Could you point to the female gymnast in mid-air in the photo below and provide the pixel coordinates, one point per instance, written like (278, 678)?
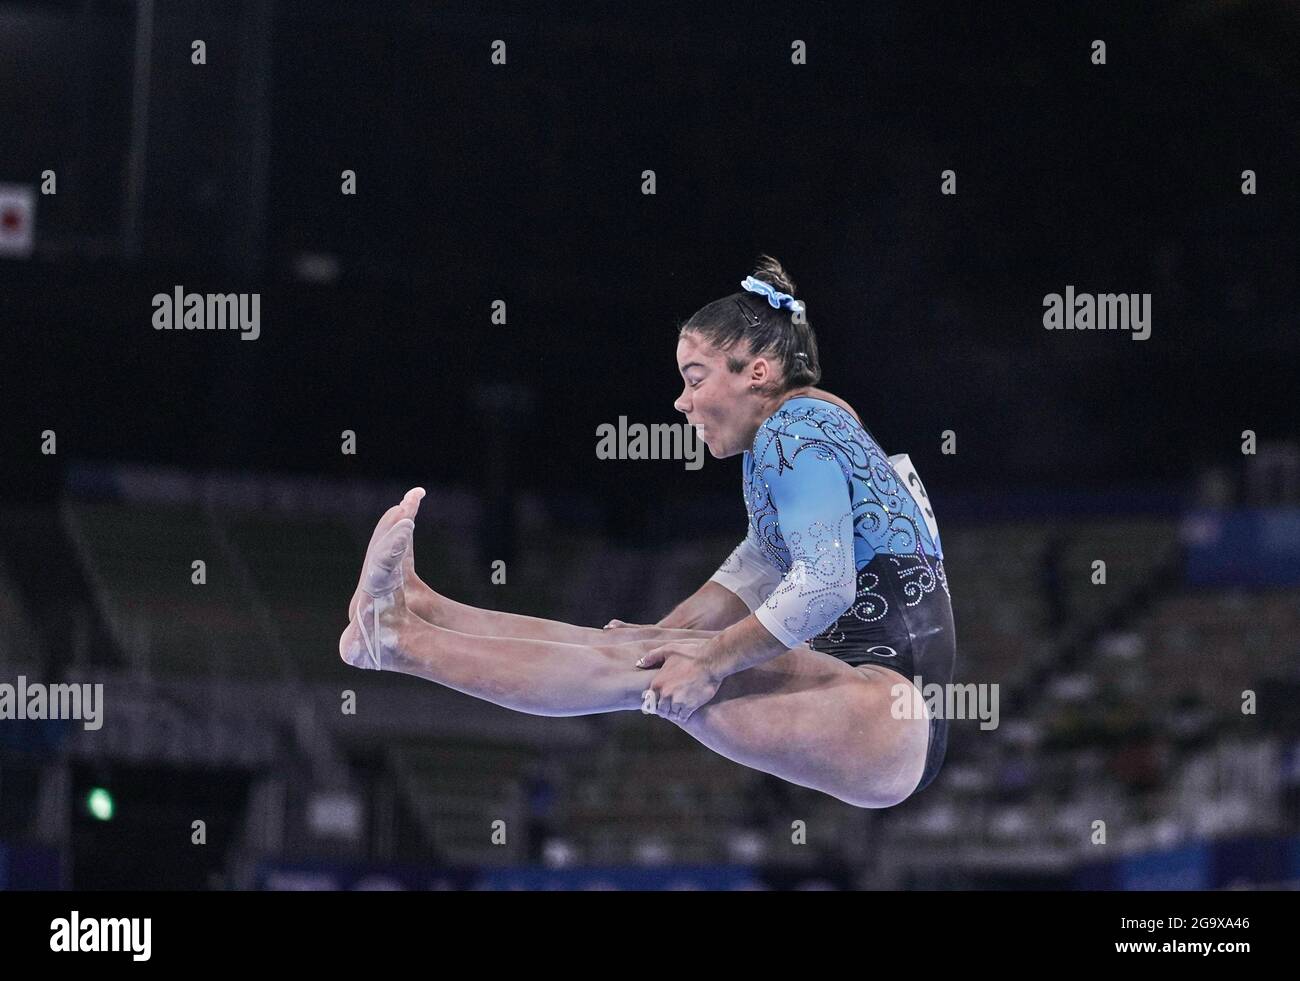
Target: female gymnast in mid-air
(799, 656)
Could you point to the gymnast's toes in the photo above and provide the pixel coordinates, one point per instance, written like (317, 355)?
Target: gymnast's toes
(383, 570)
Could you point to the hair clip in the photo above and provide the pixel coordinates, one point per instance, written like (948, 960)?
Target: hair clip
(750, 317)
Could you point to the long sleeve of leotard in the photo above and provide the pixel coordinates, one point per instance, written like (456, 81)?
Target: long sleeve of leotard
(814, 512)
(748, 573)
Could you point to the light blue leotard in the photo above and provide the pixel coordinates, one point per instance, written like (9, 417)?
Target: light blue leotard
(842, 551)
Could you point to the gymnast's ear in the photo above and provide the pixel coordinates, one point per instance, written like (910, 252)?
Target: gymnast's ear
(764, 377)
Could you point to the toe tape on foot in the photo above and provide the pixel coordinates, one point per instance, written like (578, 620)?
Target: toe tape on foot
(378, 639)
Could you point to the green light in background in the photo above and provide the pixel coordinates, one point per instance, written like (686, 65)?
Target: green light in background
(100, 804)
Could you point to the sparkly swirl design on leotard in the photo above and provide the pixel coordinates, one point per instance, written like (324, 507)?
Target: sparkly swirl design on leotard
(886, 521)
(816, 586)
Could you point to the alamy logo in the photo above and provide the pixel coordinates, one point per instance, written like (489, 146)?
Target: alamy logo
(660, 441)
(100, 934)
(1102, 311)
(209, 311)
(40, 701)
(948, 701)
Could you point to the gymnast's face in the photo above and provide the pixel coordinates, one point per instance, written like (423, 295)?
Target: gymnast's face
(725, 411)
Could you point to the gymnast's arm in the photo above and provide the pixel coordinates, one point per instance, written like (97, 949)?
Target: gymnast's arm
(711, 607)
(815, 514)
(742, 582)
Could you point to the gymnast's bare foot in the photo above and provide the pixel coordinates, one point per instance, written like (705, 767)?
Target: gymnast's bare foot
(407, 508)
(370, 640)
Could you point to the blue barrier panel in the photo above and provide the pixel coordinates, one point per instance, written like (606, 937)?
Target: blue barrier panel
(327, 876)
(29, 867)
(712, 877)
(333, 876)
(1187, 867)
(1249, 861)
(1242, 548)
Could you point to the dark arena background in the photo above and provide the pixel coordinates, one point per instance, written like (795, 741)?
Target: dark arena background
(472, 232)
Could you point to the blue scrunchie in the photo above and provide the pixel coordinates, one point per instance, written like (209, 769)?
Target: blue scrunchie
(774, 296)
